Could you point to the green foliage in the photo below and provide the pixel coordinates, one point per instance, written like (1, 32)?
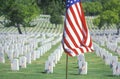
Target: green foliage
(109, 17)
(47, 6)
(55, 8)
(56, 19)
(18, 12)
(110, 14)
(96, 21)
(92, 8)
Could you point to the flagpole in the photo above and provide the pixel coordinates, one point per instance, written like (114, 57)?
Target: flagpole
(66, 66)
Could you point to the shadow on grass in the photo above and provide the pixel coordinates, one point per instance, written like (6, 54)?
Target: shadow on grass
(74, 74)
(43, 72)
(75, 67)
(112, 76)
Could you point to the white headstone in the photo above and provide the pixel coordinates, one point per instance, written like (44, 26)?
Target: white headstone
(37, 54)
(10, 55)
(114, 66)
(49, 66)
(2, 59)
(33, 55)
(113, 59)
(118, 69)
(28, 56)
(82, 67)
(108, 59)
(15, 64)
(118, 50)
(46, 66)
(22, 62)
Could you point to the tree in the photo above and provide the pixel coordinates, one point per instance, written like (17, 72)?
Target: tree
(18, 13)
(43, 5)
(108, 17)
(110, 14)
(55, 8)
(56, 17)
(47, 6)
(92, 8)
(96, 21)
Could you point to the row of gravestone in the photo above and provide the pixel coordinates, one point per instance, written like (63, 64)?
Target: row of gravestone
(109, 59)
(15, 46)
(44, 27)
(53, 59)
(23, 60)
(97, 31)
(111, 42)
(30, 54)
(29, 57)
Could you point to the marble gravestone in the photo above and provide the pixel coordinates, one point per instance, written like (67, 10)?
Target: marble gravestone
(28, 56)
(113, 60)
(108, 59)
(46, 66)
(22, 62)
(82, 65)
(15, 65)
(2, 59)
(116, 69)
(49, 67)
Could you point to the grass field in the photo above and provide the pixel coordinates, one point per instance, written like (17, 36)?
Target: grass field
(96, 69)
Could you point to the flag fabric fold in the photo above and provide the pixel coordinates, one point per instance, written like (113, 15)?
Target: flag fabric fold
(76, 37)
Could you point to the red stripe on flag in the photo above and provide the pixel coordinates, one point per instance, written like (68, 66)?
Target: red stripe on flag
(70, 36)
(72, 26)
(74, 15)
(70, 47)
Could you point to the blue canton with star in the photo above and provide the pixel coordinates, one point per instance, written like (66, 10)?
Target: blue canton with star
(71, 2)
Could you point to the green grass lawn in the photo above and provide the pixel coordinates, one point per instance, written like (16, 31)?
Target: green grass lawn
(96, 69)
(96, 66)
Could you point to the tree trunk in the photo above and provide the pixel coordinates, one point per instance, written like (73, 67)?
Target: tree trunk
(19, 30)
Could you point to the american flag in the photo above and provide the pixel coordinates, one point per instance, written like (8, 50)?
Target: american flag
(76, 37)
